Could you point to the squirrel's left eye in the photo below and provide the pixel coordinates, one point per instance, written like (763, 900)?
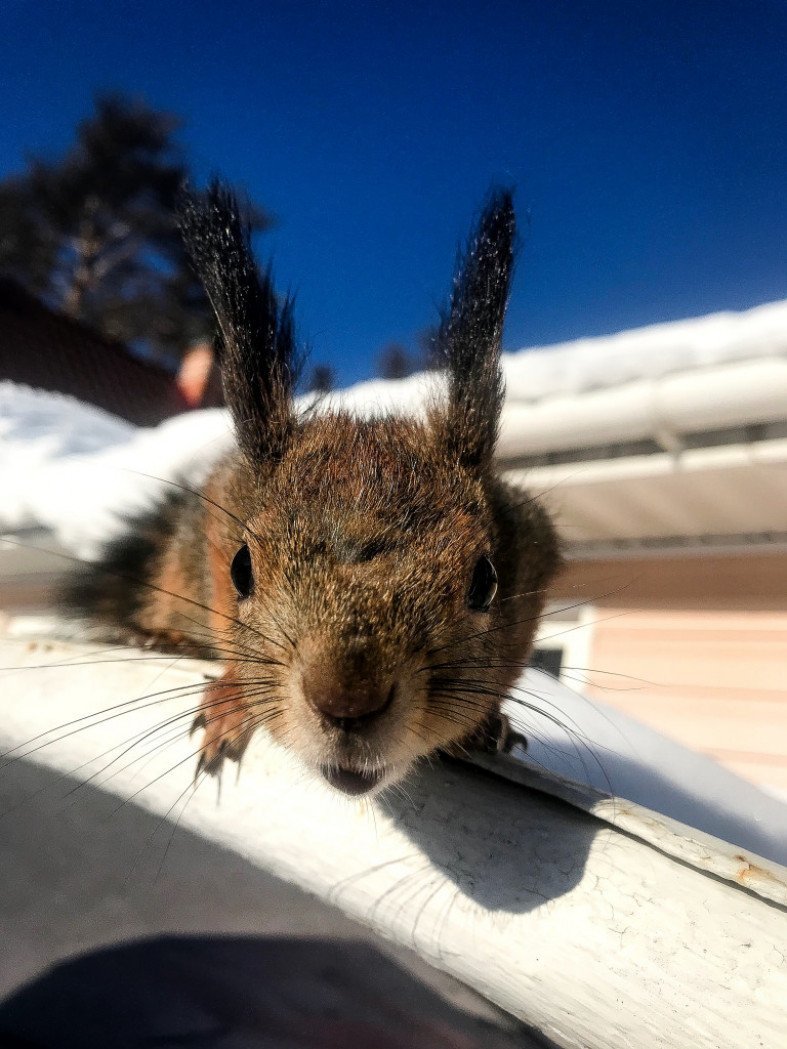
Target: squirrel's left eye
(241, 573)
(483, 586)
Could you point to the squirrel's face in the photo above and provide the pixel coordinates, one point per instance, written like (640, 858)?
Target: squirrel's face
(368, 578)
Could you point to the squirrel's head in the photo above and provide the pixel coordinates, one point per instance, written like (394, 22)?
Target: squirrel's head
(388, 584)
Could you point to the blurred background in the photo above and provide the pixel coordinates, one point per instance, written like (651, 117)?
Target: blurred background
(646, 342)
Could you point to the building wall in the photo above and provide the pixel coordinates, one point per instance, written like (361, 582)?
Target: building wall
(696, 647)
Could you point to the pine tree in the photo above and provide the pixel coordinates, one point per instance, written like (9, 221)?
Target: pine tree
(93, 233)
(323, 379)
(394, 362)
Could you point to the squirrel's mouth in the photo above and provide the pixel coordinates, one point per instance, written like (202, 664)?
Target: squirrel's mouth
(351, 781)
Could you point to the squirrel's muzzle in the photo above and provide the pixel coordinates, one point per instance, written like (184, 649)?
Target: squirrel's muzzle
(348, 708)
(345, 685)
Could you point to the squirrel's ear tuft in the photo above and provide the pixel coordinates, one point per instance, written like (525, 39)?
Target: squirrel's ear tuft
(256, 338)
(469, 337)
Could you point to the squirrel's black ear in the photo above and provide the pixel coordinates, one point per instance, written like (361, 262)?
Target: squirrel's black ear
(469, 337)
(256, 339)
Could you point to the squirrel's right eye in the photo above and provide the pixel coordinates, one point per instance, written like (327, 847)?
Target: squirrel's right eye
(241, 573)
(483, 586)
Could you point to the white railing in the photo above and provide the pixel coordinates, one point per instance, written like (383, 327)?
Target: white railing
(592, 935)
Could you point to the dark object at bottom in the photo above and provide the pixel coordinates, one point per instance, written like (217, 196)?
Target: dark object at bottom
(216, 993)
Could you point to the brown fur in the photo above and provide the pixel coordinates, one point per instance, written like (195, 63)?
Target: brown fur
(357, 647)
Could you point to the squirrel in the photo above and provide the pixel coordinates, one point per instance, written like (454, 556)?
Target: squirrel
(371, 585)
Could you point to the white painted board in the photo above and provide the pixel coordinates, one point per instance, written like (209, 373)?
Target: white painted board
(588, 934)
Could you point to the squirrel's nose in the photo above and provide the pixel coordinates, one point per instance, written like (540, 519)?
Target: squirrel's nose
(347, 706)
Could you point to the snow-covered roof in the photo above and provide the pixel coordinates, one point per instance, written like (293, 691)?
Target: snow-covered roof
(650, 384)
(573, 368)
(654, 352)
(662, 387)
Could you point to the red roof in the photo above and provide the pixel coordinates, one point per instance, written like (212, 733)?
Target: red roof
(46, 350)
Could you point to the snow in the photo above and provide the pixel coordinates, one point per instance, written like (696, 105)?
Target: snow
(79, 472)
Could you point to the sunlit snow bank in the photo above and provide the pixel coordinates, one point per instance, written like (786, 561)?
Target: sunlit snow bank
(79, 472)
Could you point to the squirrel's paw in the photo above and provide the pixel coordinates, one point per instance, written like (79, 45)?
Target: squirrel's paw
(225, 719)
(495, 736)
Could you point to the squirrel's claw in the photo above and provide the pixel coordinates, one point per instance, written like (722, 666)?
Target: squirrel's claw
(496, 736)
(224, 717)
(209, 765)
(198, 723)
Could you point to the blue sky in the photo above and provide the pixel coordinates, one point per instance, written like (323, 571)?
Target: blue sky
(646, 143)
